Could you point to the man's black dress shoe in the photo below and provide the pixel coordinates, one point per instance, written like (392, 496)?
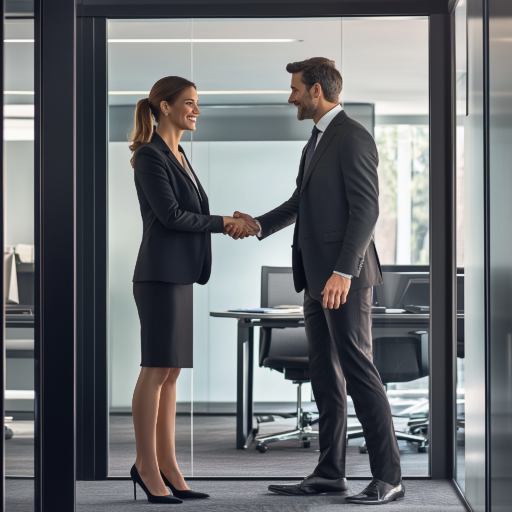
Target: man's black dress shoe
(378, 493)
(311, 485)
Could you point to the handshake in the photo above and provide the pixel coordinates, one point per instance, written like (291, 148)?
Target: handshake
(240, 226)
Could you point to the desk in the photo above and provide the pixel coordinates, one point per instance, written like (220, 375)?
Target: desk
(245, 430)
(18, 320)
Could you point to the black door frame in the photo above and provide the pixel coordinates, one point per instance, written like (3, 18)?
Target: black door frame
(71, 221)
(93, 435)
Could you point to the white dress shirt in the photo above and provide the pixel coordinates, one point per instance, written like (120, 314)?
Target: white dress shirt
(189, 172)
(322, 125)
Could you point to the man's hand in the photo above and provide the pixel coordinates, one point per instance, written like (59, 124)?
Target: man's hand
(335, 291)
(239, 228)
(250, 227)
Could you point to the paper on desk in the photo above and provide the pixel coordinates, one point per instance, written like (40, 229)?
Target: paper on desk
(276, 311)
(11, 279)
(25, 253)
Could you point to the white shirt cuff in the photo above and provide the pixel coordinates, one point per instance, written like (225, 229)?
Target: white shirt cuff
(258, 234)
(340, 273)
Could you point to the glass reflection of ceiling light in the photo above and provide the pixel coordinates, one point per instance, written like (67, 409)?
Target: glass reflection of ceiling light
(181, 40)
(205, 40)
(18, 129)
(145, 93)
(19, 111)
(26, 93)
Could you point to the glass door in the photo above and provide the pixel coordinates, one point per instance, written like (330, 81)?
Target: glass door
(246, 151)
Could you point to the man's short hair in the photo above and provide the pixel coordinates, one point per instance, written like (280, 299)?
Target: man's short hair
(319, 70)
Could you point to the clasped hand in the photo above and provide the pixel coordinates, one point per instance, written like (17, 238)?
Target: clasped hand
(240, 226)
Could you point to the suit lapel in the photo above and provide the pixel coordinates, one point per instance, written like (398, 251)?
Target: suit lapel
(202, 193)
(300, 177)
(165, 149)
(322, 146)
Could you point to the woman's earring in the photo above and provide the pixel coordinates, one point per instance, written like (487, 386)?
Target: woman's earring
(166, 113)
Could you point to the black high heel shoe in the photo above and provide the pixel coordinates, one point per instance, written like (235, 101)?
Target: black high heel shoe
(184, 495)
(151, 498)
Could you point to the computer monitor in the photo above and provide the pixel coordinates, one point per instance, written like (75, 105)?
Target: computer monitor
(403, 288)
(410, 289)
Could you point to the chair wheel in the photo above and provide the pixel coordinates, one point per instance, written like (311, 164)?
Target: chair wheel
(422, 449)
(8, 433)
(306, 444)
(363, 449)
(261, 448)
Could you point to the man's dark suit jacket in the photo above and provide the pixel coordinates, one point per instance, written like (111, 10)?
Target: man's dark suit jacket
(335, 208)
(176, 242)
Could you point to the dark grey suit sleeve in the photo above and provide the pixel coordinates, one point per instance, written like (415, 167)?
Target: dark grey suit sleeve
(152, 176)
(359, 162)
(280, 217)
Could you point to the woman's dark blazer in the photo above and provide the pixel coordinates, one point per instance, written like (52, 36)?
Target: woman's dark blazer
(177, 225)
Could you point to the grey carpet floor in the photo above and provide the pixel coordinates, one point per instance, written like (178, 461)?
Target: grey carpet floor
(214, 452)
(421, 496)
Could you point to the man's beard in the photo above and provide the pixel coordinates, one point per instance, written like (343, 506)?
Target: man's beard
(307, 108)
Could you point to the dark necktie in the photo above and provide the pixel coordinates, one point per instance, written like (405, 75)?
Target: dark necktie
(309, 155)
(311, 147)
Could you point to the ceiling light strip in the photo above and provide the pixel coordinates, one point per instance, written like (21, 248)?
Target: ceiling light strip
(205, 40)
(181, 40)
(145, 93)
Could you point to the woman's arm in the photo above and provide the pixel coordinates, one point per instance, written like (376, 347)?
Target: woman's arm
(150, 171)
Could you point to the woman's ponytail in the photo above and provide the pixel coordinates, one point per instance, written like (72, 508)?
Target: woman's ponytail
(143, 127)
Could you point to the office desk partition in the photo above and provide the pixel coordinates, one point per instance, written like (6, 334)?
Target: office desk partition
(402, 323)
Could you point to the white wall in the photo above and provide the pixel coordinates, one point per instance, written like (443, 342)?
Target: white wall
(19, 197)
(249, 176)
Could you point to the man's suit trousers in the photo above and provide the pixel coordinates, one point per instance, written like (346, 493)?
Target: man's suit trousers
(340, 356)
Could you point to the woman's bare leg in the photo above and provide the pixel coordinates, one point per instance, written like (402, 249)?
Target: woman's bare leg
(165, 432)
(146, 398)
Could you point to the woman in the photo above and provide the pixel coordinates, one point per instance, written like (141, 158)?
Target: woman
(175, 253)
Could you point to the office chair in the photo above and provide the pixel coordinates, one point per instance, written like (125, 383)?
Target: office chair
(285, 350)
(402, 359)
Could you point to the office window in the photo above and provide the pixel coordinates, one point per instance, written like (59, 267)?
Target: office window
(246, 152)
(403, 227)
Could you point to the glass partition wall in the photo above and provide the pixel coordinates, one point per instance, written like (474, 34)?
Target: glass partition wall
(246, 152)
(18, 119)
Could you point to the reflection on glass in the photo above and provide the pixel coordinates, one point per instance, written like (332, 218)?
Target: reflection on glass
(246, 152)
(460, 91)
(19, 251)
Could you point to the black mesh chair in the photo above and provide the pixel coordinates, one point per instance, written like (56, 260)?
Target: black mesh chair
(402, 359)
(285, 350)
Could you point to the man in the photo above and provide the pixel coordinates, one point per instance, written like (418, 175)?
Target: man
(335, 209)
